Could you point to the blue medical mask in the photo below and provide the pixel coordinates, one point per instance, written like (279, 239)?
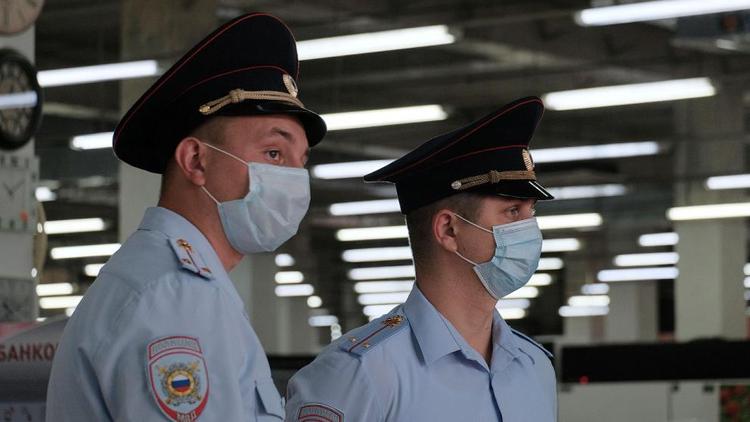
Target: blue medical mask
(518, 247)
(270, 213)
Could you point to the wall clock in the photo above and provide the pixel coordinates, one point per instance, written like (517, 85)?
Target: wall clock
(20, 100)
(18, 15)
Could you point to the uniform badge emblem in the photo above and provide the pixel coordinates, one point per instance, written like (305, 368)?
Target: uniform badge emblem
(178, 376)
(317, 412)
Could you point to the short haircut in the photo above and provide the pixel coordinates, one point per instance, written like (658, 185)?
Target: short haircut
(210, 131)
(419, 222)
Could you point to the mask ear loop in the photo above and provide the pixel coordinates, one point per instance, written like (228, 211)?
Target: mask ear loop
(209, 195)
(223, 152)
(475, 225)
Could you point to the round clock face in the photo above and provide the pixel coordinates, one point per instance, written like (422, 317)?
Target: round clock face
(17, 15)
(20, 99)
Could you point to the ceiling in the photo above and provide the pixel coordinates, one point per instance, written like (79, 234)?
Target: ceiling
(505, 50)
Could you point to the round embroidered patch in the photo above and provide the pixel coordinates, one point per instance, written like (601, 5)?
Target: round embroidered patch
(179, 377)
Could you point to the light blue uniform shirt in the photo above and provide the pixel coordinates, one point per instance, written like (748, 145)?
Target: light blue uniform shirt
(413, 365)
(160, 335)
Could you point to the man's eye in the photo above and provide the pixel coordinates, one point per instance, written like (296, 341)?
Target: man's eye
(274, 154)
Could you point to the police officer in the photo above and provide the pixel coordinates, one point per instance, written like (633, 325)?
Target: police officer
(446, 354)
(162, 333)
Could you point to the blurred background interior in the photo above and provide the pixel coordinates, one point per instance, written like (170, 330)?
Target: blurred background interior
(641, 292)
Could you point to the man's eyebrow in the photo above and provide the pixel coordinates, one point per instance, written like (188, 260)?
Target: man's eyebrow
(283, 133)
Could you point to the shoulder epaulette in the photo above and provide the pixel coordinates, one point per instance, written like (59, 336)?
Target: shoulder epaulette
(363, 339)
(190, 259)
(537, 345)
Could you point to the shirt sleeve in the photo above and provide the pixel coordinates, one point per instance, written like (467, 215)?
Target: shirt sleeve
(334, 387)
(178, 349)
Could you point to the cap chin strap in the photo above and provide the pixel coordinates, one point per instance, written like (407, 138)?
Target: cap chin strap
(492, 177)
(239, 95)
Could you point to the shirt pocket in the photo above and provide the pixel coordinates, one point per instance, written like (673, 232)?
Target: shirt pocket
(269, 398)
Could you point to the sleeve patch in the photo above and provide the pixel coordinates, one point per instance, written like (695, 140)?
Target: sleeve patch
(316, 412)
(178, 377)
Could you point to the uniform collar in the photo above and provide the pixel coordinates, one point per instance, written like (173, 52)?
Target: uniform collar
(429, 327)
(504, 344)
(437, 337)
(175, 226)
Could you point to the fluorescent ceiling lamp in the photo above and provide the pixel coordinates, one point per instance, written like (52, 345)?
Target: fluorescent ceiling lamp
(92, 270)
(372, 42)
(66, 252)
(539, 280)
(525, 292)
(589, 300)
(583, 192)
(395, 253)
(382, 298)
(550, 264)
(383, 286)
(59, 302)
(378, 206)
(25, 99)
(646, 259)
(512, 313)
(376, 273)
(638, 274)
(579, 311)
(283, 260)
(569, 221)
(314, 301)
(513, 303)
(709, 212)
(737, 181)
(54, 289)
(655, 10)
(348, 169)
(384, 117)
(322, 320)
(77, 225)
(658, 239)
(640, 93)
(98, 73)
(92, 141)
(44, 194)
(595, 152)
(374, 311)
(560, 245)
(595, 289)
(290, 290)
(746, 269)
(289, 277)
(747, 282)
(352, 169)
(372, 233)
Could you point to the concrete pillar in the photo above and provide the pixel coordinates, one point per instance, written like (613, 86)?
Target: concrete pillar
(708, 293)
(280, 322)
(632, 313)
(579, 330)
(17, 273)
(163, 29)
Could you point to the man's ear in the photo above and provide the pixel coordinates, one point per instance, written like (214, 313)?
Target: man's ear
(444, 229)
(190, 157)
